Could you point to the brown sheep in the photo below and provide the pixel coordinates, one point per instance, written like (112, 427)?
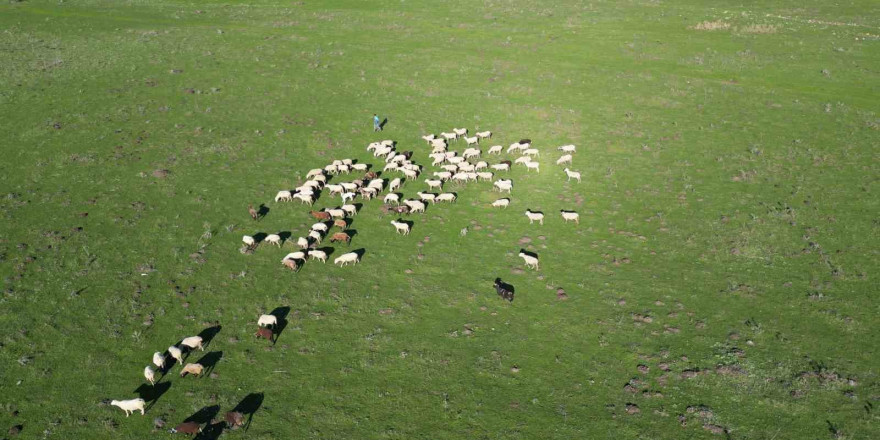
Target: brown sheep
(265, 333)
(401, 209)
(370, 176)
(253, 212)
(194, 369)
(340, 223)
(234, 419)
(340, 236)
(188, 428)
(290, 263)
(320, 215)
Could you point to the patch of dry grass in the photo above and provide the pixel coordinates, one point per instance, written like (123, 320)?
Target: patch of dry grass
(711, 26)
(757, 29)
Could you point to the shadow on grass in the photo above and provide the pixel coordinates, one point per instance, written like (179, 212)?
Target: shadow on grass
(248, 406)
(152, 393)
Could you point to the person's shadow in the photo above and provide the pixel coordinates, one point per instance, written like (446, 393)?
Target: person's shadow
(248, 406)
(382, 124)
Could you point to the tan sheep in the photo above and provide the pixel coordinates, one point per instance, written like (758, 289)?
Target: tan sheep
(194, 369)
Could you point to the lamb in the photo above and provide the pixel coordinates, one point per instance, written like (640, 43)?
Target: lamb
(349, 209)
(150, 374)
(130, 406)
(484, 134)
(336, 213)
(535, 216)
(304, 198)
(253, 212)
(495, 149)
(320, 215)
(432, 184)
(415, 205)
(233, 419)
(193, 342)
(567, 148)
(318, 255)
(158, 360)
(460, 131)
(273, 239)
(460, 177)
(344, 259)
(347, 196)
(529, 260)
(340, 223)
(315, 237)
(176, 353)
(428, 138)
(410, 174)
(570, 215)
(564, 159)
(265, 333)
(303, 242)
(572, 175)
(531, 152)
(187, 428)
(290, 264)
(533, 165)
(446, 197)
(294, 256)
(391, 198)
(376, 184)
(284, 196)
(472, 140)
(340, 236)
(267, 320)
(194, 369)
(319, 227)
(501, 203)
(401, 227)
(500, 167)
(428, 197)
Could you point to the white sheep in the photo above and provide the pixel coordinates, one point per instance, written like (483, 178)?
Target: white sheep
(331, 169)
(302, 242)
(513, 147)
(130, 406)
(158, 359)
(410, 174)
(316, 236)
(472, 140)
(395, 184)
(304, 198)
(460, 131)
(344, 169)
(572, 175)
(529, 260)
(415, 205)
(351, 210)
(249, 241)
(314, 172)
(428, 138)
(481, 165)
(460, 177)
(319, 227)
(391, 197)
(350, 186)
(344, 259)
(283, 196)
(443, 175)
(533, 165)
(564, 159)
(570, 215)
(503, 185)
(176, 353)
(535, 216)
(320, 178)
(450, 168)
(318, 255)
(390, 166)
(455, 160)
(567, 148)
(501, 203)
(273, 239)
(427, 197)
(193, 342)
(449, 136)
(336, 213)
(500, 167)
(347, 196)
(523, 160)
(446, 197)
(401, 227)
(471, 152)
(388, 143)
(335, 189)
(294, 256)
(466, 167)
(485, 175)
(376, 184)
(531, 152)
(432, 184)
(267, 320)
(484, 134)
(495, 149)
(471, 176)
(438, 142)
(150, 374)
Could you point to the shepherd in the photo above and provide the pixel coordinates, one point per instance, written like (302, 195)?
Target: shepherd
(376, 126)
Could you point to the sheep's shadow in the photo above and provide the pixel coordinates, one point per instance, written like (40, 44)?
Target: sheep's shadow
(211, 431)
(152, 393)
(281, 314)
(262, 211)
(169, 364)
(248, 406)
(360, 253)
(327, 250)
(204, 415)
(209, 334)
(285, 236)
(525, 141)
(210, 360)
(358, 207)
(536, 212)
(259, 237)
(529, 253)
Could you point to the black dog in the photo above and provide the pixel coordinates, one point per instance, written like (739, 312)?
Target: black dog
(504, 290)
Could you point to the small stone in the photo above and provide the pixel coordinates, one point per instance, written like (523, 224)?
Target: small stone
(214, 375)
(632, 408)
(514, 369)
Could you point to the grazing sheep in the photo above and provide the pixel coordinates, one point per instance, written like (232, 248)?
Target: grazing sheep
(344, 259)
(410, 174)
(564, 159)
(391, 198)
(427, 197)
(303, 242)
(350, 186)
(314, 172)
(523, 160)
(395, 184)
(273, 239)
(495, 149)
(513, 147)
(295, 256)
(449, 136)
(567, 148)
(432, 184)
(193, 342)
(290, 264)
(533, 165)
(485, 175)
(306, 190)
(481, 165)
(503, 184)
(415, 205)
(449, 168)
(572, 175)
(535, 216)
(267, 320)
(335, 189)
(347, 196)
(472, 140)
(531, 152)
(319, 227)
(315, 237)
(471, 152)
(340, 236)
(484, 134)
(130, 406)
(340, 223)
(344, 169)
(401, 227)
(150, 374)
(446, 197)
(253, 212)
(501, 203)
(233, 419)
(158, 360)
(336, 213)
(443, 175)
(322, 179)
(460, 131)
(284, 196)
(500, 167)
(187, 428)
(428, 138)
(349, 209)
(360, 166)
(529, 260)
(318, 255)
(304, 198)
(194, 369)
(368, 193)
(377, 184)
(176, 353)
(320, 215)
(331, 169)
(570, 215)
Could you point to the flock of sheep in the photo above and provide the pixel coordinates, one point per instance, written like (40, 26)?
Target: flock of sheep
(451, 167)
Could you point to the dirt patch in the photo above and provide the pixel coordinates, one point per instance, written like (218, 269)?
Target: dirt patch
(525, 240)
(386, 311)
(714, 429)
(161, 174)
(632, 408)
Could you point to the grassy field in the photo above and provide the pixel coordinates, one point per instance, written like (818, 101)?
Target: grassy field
(718, 285)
